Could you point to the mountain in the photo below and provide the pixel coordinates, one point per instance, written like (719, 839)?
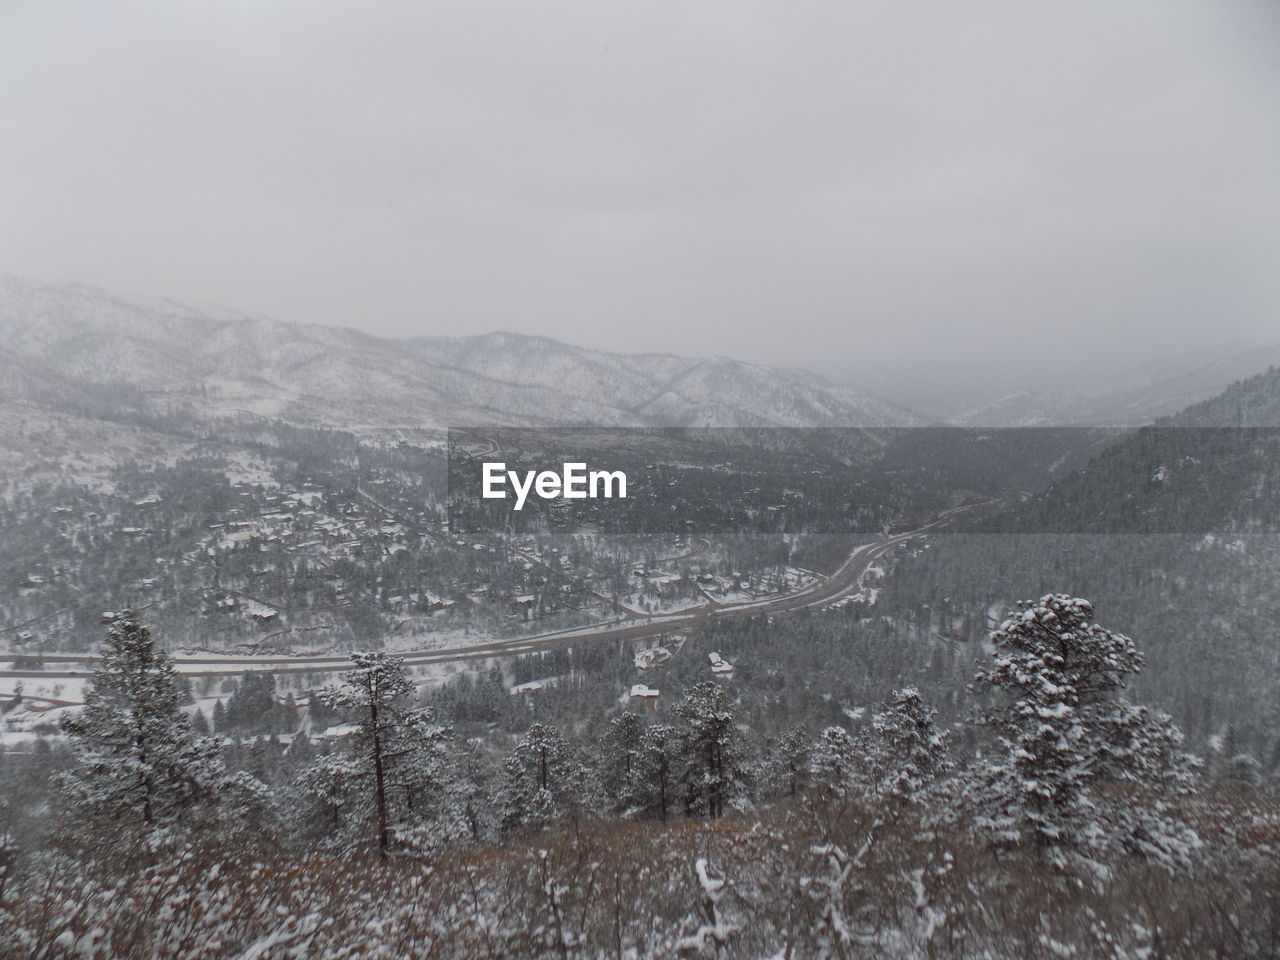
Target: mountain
(1172, 532)
(1213, 467)
(1159, 386)
(218, 362)
(1252, 402)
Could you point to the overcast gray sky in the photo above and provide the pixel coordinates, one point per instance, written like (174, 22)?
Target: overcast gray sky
(845, 186)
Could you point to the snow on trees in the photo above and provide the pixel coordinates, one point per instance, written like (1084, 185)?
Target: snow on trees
(1075, 757)
(715, 773)
(905, 754)
(141, 775)
(617, 760)
(652, 785)
(542, 781)
(399, 771)
(375, 692)
(786, 763)
(710, 933)
(832, 759)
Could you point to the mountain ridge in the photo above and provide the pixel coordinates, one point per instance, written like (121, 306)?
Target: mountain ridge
(332, 376)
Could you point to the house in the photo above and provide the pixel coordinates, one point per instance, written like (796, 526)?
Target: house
(338, 732)
(653, 657)
(646, 695)
(719, 666)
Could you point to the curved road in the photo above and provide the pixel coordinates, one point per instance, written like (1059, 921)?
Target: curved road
(845, 581)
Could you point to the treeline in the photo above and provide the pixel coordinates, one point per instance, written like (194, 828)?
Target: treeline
(878, 834)
(1205, 606)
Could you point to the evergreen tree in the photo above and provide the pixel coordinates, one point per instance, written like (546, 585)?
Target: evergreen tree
(905, 753)
(1064, 731)
(141, 774)
(470, 790)
(288, 715)
(617, 759)
(326, 805)
(200, 724)
(651, 788)
(252, 706)
(541, 781)
(786, 764)
(375, 693)
(425, 792)
(832, 761)
(714, 774)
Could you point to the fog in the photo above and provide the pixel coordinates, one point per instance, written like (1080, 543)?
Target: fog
(875, 191)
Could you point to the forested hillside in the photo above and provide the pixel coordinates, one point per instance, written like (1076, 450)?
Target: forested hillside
(680, 833)
(956, 754)
(1173, 532)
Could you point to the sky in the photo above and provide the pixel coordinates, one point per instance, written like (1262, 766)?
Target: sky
(877, 191)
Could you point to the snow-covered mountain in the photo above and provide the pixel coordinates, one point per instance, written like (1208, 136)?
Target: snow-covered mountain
(1139, 395)
(56, 338)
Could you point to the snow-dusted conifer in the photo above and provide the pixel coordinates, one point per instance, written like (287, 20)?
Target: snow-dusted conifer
(654, 776)
(833, 759)
(200, 724)
(714, 774)
(905, 753)
(617, 760)
(326, 805)
(1064, 730)
(786, 763)
(376, 693)
(141, 774)
(541, 781)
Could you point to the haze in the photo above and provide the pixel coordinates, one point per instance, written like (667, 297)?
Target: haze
(875, 191)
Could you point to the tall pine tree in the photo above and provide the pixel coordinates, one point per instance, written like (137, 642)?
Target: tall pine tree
(1065, 732)
(715, 774)
(141, 775)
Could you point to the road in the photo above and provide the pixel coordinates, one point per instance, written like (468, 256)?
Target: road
(844, 582)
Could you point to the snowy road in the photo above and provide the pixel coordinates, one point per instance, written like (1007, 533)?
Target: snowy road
(844, 582)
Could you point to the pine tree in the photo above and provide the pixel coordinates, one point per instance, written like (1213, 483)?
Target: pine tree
(375, 692)
(200, 724)
(470, 790)
(617, 760)
(141, 774)
(326, 804)
(426, 789)
(652, 784)
(8, 818)
(833, 759)
(714, 773)
(252, 705)
(541, 781)
(786, 765)
(1064, 730)
(905, 754)
(288, 715)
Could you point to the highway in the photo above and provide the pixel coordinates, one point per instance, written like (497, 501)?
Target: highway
(843, 582)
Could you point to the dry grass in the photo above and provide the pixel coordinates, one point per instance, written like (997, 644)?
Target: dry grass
(628, 890)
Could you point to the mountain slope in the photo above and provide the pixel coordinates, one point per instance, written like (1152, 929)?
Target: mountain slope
(1214, 467)
(221, 362)
(1172, 532)
(1158, 387)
